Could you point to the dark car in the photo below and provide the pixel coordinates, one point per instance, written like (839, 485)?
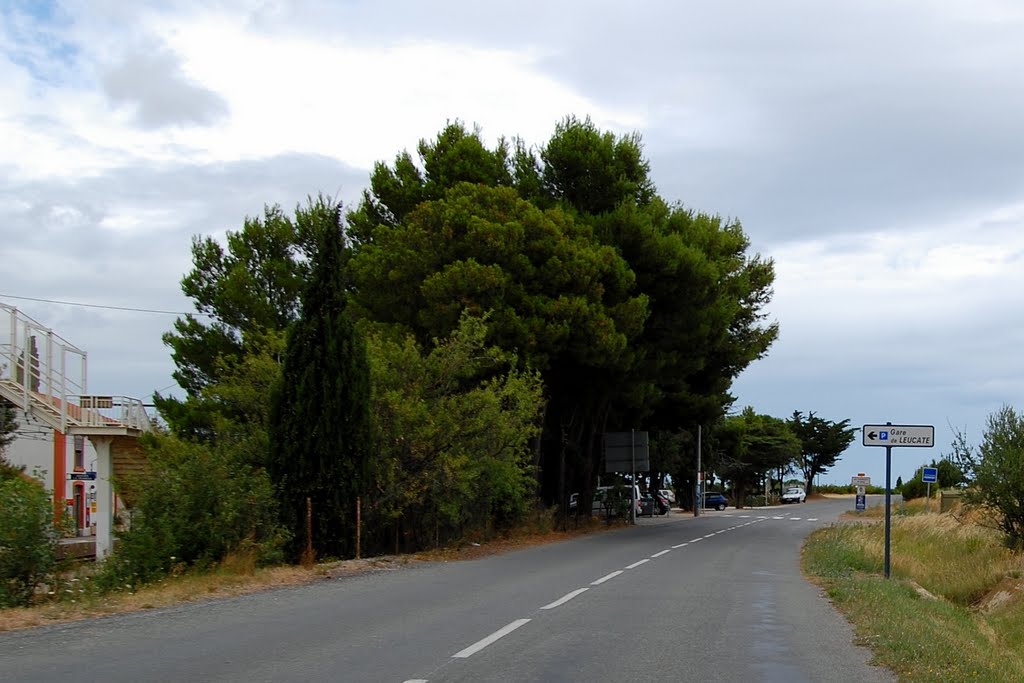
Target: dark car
(715, 500)
(654, 505)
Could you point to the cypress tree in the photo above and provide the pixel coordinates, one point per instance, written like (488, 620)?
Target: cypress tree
(320, 412)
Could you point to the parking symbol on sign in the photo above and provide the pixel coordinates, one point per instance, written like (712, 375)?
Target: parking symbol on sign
(883, 436)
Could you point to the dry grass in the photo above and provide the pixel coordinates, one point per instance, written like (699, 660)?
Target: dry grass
(954, 609)
(238, 575)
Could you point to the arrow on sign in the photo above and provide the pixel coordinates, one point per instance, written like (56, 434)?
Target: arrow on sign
(872, 435)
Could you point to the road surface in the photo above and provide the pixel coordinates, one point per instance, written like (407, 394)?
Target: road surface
(714, 598)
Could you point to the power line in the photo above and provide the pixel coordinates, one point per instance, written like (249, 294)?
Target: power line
(105, 307)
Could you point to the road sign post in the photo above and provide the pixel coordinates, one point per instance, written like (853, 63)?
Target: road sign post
(929, 475)
(895, 436)
(861, 501)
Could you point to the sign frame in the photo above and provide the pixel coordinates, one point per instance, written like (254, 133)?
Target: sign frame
(898, 436)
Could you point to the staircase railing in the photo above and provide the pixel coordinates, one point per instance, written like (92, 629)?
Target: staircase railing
(45, 374)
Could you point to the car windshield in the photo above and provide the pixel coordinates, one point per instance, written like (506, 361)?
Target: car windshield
(794, 491)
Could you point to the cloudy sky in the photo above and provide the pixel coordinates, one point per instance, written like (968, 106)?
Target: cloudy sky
(872, 148)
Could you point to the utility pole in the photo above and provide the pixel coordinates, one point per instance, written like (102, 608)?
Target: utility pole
(698, 499)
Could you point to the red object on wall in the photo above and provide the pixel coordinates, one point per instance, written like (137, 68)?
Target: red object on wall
(60, 473)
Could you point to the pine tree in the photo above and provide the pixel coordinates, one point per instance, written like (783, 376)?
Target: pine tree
(320, 417)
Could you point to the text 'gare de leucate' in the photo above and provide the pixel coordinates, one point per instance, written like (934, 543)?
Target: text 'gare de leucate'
(900, 436)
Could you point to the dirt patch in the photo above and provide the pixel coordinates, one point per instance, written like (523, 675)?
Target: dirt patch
(1009, 592)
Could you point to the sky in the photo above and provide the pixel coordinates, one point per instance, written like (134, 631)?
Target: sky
(871, 148)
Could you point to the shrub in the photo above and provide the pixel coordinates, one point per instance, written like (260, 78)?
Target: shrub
(999, 473)
(197, 504)
(27, 539)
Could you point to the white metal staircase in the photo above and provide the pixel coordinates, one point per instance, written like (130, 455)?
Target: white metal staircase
(45, 376)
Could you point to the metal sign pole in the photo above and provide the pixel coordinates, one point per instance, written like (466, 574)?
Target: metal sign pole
(698, 498)
(888, 503)
(632, 488)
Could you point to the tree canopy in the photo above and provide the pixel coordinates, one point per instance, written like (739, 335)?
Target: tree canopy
(249, 289)
(636, 312)
(821, 443)
(751, 446)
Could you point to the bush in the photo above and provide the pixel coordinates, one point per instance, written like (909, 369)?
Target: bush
(999, 473)
(197, 504)
(28, 540)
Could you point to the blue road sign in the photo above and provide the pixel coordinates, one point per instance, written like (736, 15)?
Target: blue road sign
(861, 503)
(930, 475)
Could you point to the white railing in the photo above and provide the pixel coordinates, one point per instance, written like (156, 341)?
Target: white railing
(44, 373)
(111, 411)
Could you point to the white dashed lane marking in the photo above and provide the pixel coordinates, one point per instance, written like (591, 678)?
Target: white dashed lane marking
(497, 635)
(663, 552)
(637, 564)
(606, 578)
(565, 598)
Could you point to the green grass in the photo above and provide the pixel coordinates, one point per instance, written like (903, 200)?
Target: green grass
(937, 635)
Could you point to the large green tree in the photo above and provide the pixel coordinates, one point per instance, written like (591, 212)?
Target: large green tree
(821, 443)
(562, 301)
(251, 287)
(320, 431)
(691, 318)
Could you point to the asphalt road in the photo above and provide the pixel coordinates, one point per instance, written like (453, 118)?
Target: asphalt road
(714, 598)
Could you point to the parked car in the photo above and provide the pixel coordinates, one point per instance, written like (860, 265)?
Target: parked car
(654, 505)
(713, 499)
(794, 494)
(669, 495)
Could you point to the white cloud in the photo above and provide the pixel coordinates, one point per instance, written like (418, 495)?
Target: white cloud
(237, 94)
(870, 147)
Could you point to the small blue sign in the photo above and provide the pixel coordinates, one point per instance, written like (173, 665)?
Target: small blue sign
(930, 475)
(883, 436)
(861, 503)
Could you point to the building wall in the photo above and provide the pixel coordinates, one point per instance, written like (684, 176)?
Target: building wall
(34, 448)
